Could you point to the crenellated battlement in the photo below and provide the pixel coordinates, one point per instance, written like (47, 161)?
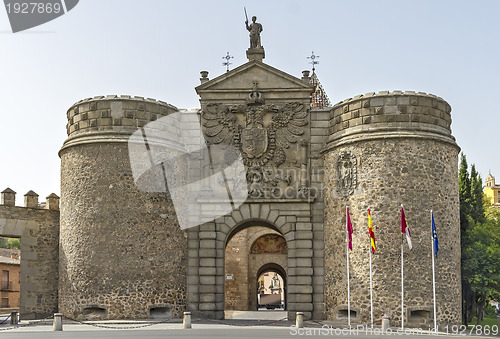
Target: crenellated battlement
(393, 113)
(111, 118)
(8, 198)
(388, 93)
(113, 112)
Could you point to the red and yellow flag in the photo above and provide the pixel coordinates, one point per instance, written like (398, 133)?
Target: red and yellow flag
(370, 230)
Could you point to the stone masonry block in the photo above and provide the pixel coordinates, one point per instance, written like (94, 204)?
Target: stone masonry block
(207, 306)
(264, 211)
(376, 102)
(304, 262)
(245, 211)
(301, 271)
(303, 226)
(207, 262)
(280, 221)
(303, 298)
(286, 228)
(300, 289)
(303, 235)
(303, 244)
(230, 222)
(304, 252)
(207, 235)
(237, 216)
(254, 211)
(207, 252)
(273, 215)
(207, 289)
(207, 280)
(207, 243)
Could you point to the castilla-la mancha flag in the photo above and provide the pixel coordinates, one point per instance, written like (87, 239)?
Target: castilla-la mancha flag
(349, 229)
(404, 227)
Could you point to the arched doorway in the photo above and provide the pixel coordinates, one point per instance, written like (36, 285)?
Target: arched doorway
(250, 252)
(271, 287)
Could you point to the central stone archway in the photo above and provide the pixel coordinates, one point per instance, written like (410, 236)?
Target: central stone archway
(247, 252)
(291, 221)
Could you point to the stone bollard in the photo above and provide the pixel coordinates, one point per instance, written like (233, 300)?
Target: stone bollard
(13, 318)
(385, 323)
(299, 320)
(57, 322)
(186, 323)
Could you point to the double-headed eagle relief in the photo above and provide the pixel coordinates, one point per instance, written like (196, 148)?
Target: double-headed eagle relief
(266, 131)
(270, 138)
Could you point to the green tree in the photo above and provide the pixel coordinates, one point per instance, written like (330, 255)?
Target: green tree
(10, 243)
(464, 192)
(14, 243)
(476, 196)
(481, 264)
(465, 199)
(480, 245)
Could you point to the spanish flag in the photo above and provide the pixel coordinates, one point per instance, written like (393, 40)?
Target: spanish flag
(370, 230)
(404, 227)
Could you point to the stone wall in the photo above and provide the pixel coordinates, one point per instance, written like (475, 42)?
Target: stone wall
(386, 150)
(38, 230)
(122, 252)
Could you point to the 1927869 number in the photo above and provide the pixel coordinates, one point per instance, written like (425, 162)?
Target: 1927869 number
(33, 7)
(472, 330)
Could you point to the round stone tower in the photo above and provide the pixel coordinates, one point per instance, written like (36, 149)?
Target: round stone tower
(385, 150)
(122, 252)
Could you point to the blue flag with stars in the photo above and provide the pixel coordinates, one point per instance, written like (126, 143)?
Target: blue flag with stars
(434, 235)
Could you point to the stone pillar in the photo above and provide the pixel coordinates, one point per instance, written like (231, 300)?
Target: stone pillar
(204, 77)
(52, 202)
(31, 200)
(305, 76)
(256, 54)
(8, 197)
(122, 252)
(385, 150)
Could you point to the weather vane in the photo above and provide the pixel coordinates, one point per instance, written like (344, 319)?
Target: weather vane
(227, 63)
(313, 57)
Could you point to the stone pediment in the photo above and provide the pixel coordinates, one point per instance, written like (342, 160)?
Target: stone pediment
(243, 78)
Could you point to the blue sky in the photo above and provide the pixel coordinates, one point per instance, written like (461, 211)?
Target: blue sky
(156, 48)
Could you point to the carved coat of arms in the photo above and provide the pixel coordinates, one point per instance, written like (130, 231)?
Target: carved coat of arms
(266, 135)
(254, 141)
(347, 173)
(261, 132)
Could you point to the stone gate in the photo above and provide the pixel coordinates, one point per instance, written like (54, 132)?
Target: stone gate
(302, 166)
(266, 112)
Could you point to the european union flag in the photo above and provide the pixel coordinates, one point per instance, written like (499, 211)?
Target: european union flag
(434, 235)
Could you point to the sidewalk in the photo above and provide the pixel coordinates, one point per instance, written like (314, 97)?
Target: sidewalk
(229, 328)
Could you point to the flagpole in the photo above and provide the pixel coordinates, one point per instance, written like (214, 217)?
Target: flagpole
(371, 284)
(433, 275)
(402, 283)
(347, 249)
(402, 286)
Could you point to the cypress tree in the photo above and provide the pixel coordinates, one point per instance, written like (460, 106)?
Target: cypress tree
(476, 196)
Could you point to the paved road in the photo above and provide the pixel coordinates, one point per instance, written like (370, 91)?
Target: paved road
(173, 330)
